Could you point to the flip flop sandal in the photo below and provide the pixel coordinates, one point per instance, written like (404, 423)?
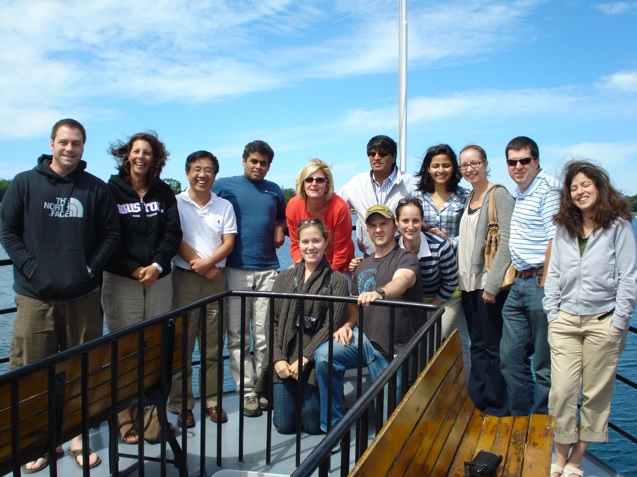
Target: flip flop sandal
(74, 454)
(45, 464)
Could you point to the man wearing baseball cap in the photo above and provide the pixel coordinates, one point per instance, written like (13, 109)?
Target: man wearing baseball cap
(390, 273)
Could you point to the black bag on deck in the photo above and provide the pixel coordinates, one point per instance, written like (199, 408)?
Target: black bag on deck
(485, 464)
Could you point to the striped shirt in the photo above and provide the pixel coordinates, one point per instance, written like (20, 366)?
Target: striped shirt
(381, 191)
(447, 218)
(532, 223)
(438, 267)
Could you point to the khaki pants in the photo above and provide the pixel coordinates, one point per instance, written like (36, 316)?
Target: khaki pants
(126, 301)
(190, 287)
(256, 312)
(453, 319)
(584, 355)
(45, 327)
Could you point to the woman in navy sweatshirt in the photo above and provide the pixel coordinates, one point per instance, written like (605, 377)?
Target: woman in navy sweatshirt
(137, 281)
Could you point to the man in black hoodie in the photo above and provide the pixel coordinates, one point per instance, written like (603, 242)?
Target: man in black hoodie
(59, 226)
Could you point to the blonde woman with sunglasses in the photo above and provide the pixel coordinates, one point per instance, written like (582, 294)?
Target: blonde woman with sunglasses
(315, 198)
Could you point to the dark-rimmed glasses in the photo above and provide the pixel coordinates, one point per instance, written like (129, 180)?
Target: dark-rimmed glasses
(525, 161)
(472, 164)
(318, 180)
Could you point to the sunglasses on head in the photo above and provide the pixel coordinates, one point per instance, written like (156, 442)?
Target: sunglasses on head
(310, 222)
(525, 161)
(410, 200)
(318, 180)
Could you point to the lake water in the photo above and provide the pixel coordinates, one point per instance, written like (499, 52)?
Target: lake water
(618, 453)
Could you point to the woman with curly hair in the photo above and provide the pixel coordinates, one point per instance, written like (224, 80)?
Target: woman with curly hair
(137, 282)
(589, 297)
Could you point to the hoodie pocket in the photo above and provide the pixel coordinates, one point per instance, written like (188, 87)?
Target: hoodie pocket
(60, 273)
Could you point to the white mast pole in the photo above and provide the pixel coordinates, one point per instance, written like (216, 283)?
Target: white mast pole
(402, 85)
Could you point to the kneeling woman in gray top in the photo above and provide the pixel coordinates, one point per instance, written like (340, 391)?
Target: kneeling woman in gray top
(308, 319)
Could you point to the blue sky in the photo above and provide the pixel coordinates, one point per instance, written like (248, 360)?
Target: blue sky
(319, 78)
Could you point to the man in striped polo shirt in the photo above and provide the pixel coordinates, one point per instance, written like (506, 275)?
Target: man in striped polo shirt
(525, 327)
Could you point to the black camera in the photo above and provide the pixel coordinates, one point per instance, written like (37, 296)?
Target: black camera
(309, 323)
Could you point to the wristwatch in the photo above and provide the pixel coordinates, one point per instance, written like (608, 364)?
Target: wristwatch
(158, 267)
(381, 292)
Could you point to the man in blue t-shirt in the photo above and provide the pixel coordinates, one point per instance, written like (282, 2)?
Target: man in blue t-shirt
(259, 206)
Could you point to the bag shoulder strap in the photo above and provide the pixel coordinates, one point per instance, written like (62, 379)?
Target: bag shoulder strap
(493, 214)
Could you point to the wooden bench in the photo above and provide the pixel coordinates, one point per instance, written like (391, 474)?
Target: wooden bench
(110, 376)
(436, 428)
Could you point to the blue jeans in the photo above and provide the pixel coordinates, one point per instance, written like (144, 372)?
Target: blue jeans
(345, 357)
(525, 334)
(285, 402)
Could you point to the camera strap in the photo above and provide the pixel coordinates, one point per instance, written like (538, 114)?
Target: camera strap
(323, 289)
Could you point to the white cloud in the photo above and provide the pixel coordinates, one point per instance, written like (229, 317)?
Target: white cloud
(620, 82)
(614, 157)
(479, 104)
(67, 54)
(605, 154)
(617, 8)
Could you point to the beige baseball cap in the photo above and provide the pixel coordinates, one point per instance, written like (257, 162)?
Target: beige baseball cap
(381, 209)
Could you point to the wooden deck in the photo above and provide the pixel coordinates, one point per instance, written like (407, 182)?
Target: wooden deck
(436, 429)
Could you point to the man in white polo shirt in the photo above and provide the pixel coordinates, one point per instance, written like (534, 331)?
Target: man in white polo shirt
(209, 227)
(525, 326)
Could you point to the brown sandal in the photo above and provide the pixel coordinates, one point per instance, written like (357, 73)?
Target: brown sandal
(130, 436)
(74, 454)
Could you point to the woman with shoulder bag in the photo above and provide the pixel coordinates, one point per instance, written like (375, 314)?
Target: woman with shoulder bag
(482, 294)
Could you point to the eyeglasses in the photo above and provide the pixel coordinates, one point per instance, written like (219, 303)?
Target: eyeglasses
(318, 180)
(525, 161)
(472, 164)
(410, 200)
(310, 222)
(380, 153)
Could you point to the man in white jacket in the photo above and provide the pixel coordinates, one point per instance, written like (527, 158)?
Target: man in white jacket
(383, 184)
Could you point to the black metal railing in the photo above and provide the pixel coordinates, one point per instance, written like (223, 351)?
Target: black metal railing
(417, 361)
(633, 385)
(416, 355)
(83, 351)
(413, 358)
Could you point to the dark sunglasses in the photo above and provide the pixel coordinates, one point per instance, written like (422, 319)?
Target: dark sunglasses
(525, 161)
(318, 180)
(381, 153)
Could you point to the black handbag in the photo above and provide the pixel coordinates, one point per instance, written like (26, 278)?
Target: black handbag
(485, 464)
